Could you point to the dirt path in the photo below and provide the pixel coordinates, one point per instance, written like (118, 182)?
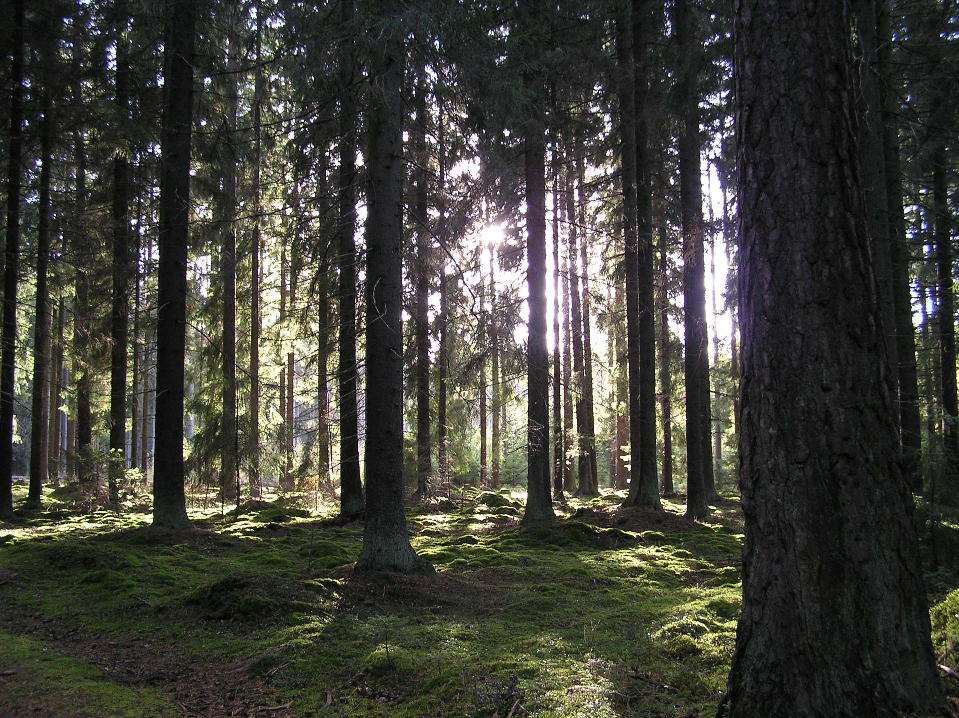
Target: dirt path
(186, 685)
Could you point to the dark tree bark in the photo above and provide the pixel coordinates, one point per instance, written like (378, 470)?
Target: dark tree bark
(835, 620)
(910, 425)
(588, 404)
(482, 340)
(585, 485)
(640, 329)
(696, 360)
(56, 395)
(169, 499)
(351, 486)
(39, 415)
(120, 313)
(539, 505)
(11, 263)
(665, 364)
(386, 542)
(422, 269)
(559, 445)
(647, 495)
(442, 378)
(256, 321)
(229, 443)
(568, 474)
(82, 313)
(496, 385)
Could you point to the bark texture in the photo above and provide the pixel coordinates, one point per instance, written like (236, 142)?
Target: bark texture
(834, 620)
(169, 499)
(386, 542)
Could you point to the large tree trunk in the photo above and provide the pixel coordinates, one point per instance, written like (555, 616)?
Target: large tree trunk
(169, 498)
(482, 341)
(835, 620)
(539, 505)
(386, 542)
(39, 415)
(643, 489)
(496, 384)
(351, 486)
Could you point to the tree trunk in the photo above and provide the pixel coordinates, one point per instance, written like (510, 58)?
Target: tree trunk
(386, 542)
(665, 366)
(696, 363)
(539, 505)
(643, 489)
(39, 415)
(835, 620)
(909, 421)
(11, 263)
(496, 398)
(442, 378)
(351, 486)
(424, 446)
(229, 444)
(56, 396)
(648, 492)
(569, 478)
(587, 388)
(169, 498)
(120, 319)
(82, 319)
(482, 342)
(256, 321)
(583, 466)
(559, 444)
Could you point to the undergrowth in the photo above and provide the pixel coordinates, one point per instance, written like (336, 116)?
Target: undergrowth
(607, 612)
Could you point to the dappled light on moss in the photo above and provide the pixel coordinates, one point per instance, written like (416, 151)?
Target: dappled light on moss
(606, 612)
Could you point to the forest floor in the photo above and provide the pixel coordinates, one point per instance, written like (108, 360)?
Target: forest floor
(607, 612)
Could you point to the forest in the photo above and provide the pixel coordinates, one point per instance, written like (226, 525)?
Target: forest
(479, 358)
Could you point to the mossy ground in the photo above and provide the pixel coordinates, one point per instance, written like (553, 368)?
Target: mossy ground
(607, 612)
